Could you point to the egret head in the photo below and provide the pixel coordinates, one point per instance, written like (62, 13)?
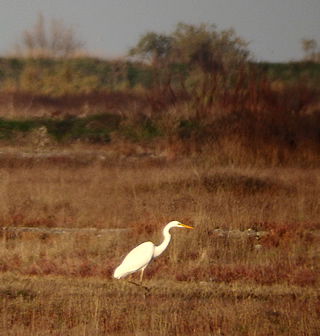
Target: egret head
(178, 224)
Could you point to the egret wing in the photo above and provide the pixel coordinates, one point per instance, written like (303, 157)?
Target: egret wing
(136, 259)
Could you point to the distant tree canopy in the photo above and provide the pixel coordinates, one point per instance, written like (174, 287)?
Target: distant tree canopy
(57, 41)
(195, 61)
(197, 46)
(311, 50)
(153, 47)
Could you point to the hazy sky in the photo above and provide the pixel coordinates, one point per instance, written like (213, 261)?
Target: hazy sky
(109, 28)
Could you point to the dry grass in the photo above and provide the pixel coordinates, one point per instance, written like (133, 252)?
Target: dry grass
(240, 164)
(65, 306)
(226, 282)
(57, 192)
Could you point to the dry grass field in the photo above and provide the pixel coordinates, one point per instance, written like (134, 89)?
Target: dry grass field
(97, 156)
(250, 267)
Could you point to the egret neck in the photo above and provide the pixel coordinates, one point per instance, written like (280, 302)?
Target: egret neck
(160, 248)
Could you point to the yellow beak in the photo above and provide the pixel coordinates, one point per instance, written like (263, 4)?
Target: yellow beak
(186, 226)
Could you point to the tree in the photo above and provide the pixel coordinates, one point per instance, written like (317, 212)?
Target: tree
(196, 61)
(153, 48)
(57, 41)
(207, 48)
(196, 46)
(309, 46)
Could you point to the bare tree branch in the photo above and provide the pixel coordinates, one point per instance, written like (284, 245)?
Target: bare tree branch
(59, 40)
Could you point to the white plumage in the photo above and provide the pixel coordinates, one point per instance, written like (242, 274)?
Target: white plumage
(139, 258)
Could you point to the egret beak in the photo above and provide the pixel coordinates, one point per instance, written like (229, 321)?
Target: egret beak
(186, 226)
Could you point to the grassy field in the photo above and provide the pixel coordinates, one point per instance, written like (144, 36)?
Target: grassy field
(94, 162)
(250, 267)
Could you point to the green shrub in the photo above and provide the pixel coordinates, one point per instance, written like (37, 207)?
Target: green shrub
(93, 129)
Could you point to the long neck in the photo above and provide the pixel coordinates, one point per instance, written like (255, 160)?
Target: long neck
(160, 248)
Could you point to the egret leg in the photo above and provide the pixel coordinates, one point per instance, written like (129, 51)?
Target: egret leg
(138, 284)
(140, 280)
(141, 274)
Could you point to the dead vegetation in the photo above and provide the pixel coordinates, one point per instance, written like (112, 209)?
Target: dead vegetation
(237, 158)
(261, 278)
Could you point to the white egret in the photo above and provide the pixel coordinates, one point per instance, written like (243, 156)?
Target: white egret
(139, 258)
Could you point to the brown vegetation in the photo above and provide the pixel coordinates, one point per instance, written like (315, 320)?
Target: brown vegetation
(86, 175)
(250, 266)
